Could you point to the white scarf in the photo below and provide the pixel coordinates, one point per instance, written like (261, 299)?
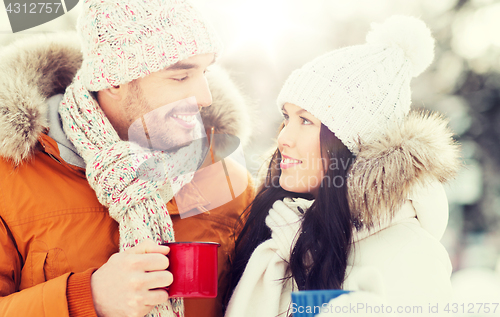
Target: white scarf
(262, 290)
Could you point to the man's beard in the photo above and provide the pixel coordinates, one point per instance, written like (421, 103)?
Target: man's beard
(150, 130)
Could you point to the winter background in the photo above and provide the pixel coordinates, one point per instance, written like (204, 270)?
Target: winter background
(265, 40)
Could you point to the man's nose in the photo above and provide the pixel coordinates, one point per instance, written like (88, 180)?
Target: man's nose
(203, 95)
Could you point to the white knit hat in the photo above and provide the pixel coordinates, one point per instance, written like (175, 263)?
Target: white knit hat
(358, 91)
(123, 40)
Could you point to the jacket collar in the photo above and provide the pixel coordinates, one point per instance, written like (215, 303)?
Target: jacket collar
(67, 150)
(404, 158)
(428, 205)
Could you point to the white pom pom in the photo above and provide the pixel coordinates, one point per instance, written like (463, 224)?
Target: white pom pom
(409, 33)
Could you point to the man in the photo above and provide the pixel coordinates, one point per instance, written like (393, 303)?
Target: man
(69, 185)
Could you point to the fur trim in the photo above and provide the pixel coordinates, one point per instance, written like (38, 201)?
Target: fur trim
(385, 172)
(31, 70)
(229, 113)
(36, 68)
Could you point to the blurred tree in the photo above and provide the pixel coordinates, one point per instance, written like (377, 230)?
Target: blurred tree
(482, 91)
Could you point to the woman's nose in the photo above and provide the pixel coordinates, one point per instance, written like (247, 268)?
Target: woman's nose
(287, 137)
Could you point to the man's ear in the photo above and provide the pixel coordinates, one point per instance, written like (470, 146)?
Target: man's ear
(116, 93)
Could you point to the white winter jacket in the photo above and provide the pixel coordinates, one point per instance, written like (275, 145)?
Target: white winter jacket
(402, 263)
(399, 264)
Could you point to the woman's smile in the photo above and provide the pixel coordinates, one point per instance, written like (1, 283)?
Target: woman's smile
(287, 162)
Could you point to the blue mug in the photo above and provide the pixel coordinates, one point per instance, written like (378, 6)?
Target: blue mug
(311, 303)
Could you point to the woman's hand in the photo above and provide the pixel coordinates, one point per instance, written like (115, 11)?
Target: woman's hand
(285, 226)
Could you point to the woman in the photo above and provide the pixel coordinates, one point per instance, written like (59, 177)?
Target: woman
(353, 197)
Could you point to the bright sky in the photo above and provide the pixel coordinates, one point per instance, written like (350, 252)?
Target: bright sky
(476, 32)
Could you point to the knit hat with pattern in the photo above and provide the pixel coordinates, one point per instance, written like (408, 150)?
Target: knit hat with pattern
(126, 40)
(358, 91)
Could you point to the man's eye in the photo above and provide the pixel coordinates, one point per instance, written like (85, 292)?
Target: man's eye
(180, 79)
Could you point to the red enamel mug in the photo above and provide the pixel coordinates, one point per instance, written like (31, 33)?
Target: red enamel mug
(194, 267)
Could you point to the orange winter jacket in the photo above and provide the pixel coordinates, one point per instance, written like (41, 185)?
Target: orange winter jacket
(54, 233)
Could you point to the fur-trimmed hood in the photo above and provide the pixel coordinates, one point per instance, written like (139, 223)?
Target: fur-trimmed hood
(406, 157)
(35, 68)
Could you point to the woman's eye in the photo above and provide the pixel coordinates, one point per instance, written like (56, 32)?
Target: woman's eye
(285, 117)
(305, 121)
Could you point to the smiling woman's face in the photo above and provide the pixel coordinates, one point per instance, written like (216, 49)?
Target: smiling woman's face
(299, 145)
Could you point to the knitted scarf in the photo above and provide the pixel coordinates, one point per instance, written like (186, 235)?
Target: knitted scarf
(127, 178)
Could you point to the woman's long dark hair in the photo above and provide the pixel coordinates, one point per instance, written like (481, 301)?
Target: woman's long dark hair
(319, 258)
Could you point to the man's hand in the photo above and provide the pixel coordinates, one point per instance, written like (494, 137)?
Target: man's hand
(130, 283)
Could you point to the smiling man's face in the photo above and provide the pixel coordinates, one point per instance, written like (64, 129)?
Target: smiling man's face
(163, 105)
